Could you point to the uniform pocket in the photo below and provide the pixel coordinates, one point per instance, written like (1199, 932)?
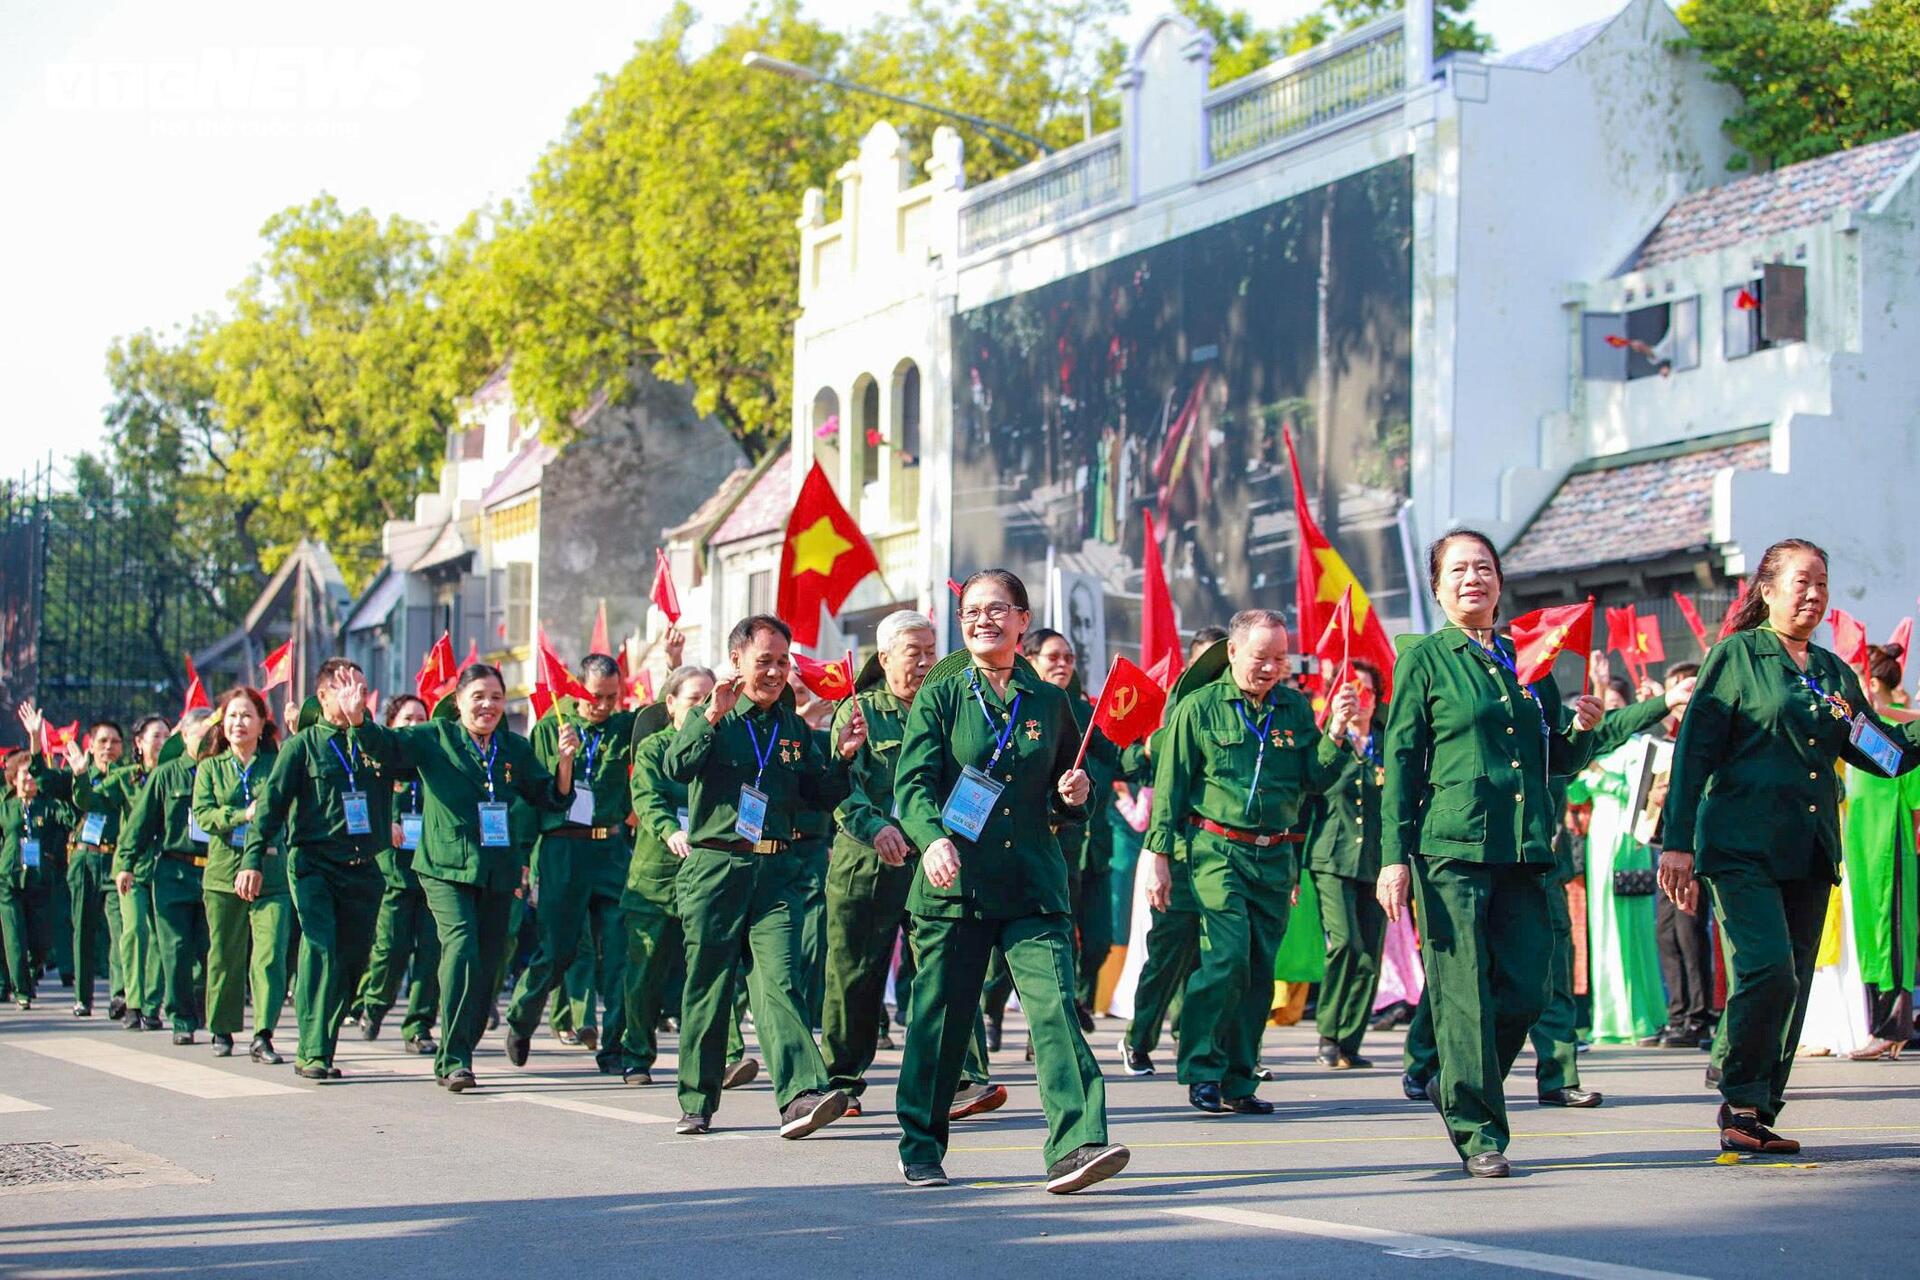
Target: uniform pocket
(1456, 814)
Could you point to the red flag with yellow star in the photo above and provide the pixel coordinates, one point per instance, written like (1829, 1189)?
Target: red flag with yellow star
(1323, 577)
(823, 559)
(1543, 635)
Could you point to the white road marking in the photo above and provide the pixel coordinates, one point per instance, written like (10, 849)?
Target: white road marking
(155, 1069)
(587, 1108)
(1405, 1245)
(10, 1104)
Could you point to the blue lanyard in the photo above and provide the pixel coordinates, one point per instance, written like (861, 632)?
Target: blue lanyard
(1259, 733)
(761, 754)
(493, 752)
(1370, 748)
(1494, 654)
(1003, 736)
(413, 797)
(588, 753)
(346, 764)
(246, 780)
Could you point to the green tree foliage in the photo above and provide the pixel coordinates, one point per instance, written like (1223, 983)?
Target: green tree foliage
(1814, 76)
(1242, 46)
(1453, 31)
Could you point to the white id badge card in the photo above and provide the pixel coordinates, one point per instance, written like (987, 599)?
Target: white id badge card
(195, 832)
(581, 810)
(30, 852)
(93, 828)
(493, 825)
(685, 817)
(753, 815)
(1877, 746)
(970, 803)
(410, 824)
(355, 804)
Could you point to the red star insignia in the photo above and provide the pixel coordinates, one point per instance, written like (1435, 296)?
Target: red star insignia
(1033, 731)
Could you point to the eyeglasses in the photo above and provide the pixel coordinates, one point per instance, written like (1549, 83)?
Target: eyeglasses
(995, 612)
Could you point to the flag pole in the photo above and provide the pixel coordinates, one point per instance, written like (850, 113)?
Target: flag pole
(1087, 738)
(1586, 672)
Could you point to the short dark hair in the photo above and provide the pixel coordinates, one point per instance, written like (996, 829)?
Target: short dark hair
(748, 627)
(1883, 664)
(106, 723)
(1036, 640)
(1209, 636)
(598, 666)
(394, 704)
(1366, 667)
(330, 670)
(1439, 549)
(677, 679)
(1681, 670)
(1006, 578)
(477, 672)
(1622, 686)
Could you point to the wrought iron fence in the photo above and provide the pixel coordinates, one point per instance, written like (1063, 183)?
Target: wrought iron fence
(1067, 183)
(1291, 99)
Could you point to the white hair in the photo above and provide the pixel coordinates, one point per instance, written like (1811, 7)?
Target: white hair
(897, 624)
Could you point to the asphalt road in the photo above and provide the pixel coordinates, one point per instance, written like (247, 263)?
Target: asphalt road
(122, 1154)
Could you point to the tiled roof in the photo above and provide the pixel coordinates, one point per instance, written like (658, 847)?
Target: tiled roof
(764, 509)
(1637, 510)
(712, 508)
(521, 473)
(1549, 54)
(1799, 195)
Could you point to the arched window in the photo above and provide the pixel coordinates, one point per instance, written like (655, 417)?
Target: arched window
(827, 432)
(905, 439)
(869, 431)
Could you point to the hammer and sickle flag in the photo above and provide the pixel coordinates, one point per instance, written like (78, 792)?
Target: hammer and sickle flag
(830, 680)
(1130, 705)
(823, 559)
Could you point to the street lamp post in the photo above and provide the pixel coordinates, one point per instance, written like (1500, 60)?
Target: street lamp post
(794, 71)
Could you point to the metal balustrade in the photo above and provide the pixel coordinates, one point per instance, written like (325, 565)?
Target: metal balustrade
(1362, 69)
(1041, 195)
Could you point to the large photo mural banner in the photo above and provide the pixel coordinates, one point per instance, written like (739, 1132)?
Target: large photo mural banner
(1162, 382)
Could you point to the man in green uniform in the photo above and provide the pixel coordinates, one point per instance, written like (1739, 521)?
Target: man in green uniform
(325, 803)
(163, 846)
(29, 826)
(406, 945)
(1173, 947)
(96, 937)
(1343, 856)
(749, 764)
(582, 863)
(113, 794)
(1240, 757)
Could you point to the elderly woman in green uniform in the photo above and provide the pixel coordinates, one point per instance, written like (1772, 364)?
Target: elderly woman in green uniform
(404, 938)
(247, 938)
(749, 764)
(164, 847)
(581, 862)
(131, 896)
(1753, 808)
(1343, 857)
(660, 843)
(95, 930)
(29, 825)
(1241, 757)
(988, 748)
(469, 862)
(1469, 753)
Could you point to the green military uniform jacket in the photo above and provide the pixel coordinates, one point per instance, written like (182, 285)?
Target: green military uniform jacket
(19, 820)
(396, 864)
(110, 794)
(610, 747)
(1016, 868)
(222, 790)
(300, 810)
(1753, 782)
(1343, 824)
(1205, 767)
(160, 820)
(455, 780)
(659, 810)
(815, 821)
(715, 761)
(869, 806)
(1467, 761)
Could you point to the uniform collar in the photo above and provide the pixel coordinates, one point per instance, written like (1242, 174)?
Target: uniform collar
(1236, 694)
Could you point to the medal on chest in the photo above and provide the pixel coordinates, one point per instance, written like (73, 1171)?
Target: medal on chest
(1033, 730)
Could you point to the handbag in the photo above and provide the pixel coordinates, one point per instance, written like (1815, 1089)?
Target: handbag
(1641, 883)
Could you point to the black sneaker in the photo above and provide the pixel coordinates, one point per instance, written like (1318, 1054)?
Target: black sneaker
(1250, 1106)
(1134, 1062)
(1751, 1136)
(133, 1021)
(693, 1122)
(370, 1024)
(517, 1047)
(636, 1076)
(993, 1035)
(923, 1175)
(493, 1017)
(421, 1045)
(744, 1071)
(183, 1037)
(1488, 1164)
(261, 1051)
(1415, 1090)
(150, 1021)
(1085, 1166)
(883, 1042)
(1206, 1097)
(117, 1008)
(222, 1045)
(459, 1080)
(812, 1111)
(82, 1011)
(1086, 1018)
(976, 1099)
(317, 1074)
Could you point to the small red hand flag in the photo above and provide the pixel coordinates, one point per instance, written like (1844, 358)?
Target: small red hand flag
(1543, 635)
(1695, 623)
(664, 596)
(437, 675)
(277, 668)
(1849, 640)
(1320, 579)
(1130, 704)
(1159, 630)
(830, 680)
(196, 692)
(599, 642)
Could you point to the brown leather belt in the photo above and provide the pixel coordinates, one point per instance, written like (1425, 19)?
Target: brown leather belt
(765, 848)
(1258, 839)
(583, 833)
(191, 859)
(92, 848)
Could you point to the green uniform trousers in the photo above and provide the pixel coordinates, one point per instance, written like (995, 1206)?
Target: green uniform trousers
(1487, 944)
(814, 854)
(735, 907)
(180, 932)
(1173, 947)
(96, 937)
(1771, 931)
(405, 942)
(246, 950)
(59, 912)
(472, 922)
(654, 939)
(1356, 929)
(866, 909)
(950, 959)
(580, 886)
(572, 1005)
(139, 955)
(1245, 895)
(1095, 921)
(20, 972)
(337, 905)
(1421, 1057)
(1556, 1036)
